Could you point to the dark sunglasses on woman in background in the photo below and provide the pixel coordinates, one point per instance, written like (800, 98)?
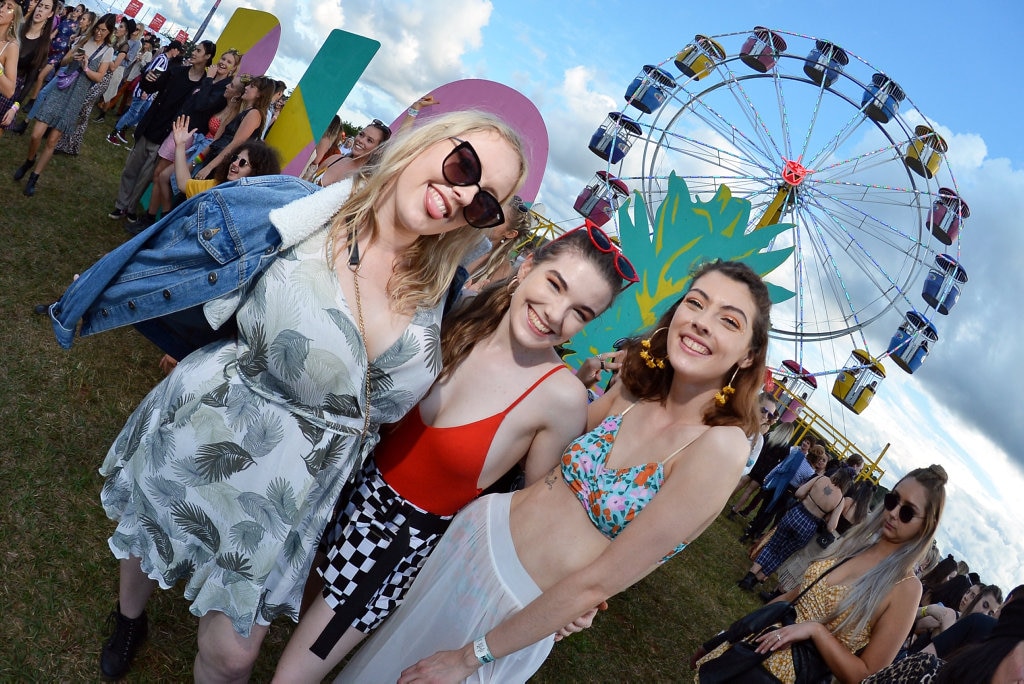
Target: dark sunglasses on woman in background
(384, 129)
(906, 513)
(462, 168)
(242, 161)
(770, 415)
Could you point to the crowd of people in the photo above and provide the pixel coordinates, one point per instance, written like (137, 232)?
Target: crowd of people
(334, 457)
(59, 64)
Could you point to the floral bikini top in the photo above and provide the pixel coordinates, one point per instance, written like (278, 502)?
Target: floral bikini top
(612, 497)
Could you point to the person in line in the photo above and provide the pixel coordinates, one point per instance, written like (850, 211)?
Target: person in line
(69, 29)
(461, 438)
(141, 100)
(10, 28)
(252, 158)
(856, 506)
(496, 263)
(667, 444)
(34, 40)
(224, 477)
(182, 90)
(995, 656)
(820, 503)
(57, 108)
(33, 48)
(341, 166)
(776, 447)
(781, 483)
(221, 83)
(131, 49)
(934, 619)
(856, 617)
(71, 144)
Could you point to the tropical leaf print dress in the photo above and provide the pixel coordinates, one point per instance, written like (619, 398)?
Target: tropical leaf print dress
(225, 475)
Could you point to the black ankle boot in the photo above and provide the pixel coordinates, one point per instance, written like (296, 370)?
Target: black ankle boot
(20, 172)
(748, 582)
(30, 186)
(120, 649)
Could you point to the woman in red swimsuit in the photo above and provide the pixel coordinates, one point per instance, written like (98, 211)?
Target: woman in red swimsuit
(503, 397)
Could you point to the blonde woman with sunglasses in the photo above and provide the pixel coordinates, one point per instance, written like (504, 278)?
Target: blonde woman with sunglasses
(663, 454)
(853, 621)
(347, 164)
(225, 476)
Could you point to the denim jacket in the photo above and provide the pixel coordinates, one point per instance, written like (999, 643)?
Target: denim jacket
(180, 280)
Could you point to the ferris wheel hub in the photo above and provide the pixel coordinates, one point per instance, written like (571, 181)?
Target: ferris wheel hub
(793, 172)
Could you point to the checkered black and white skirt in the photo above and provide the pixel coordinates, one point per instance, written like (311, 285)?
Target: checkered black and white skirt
(375, 548)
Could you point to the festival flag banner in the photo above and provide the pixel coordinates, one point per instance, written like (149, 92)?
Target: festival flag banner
(157, 21)
(182, 37)
(133, 8)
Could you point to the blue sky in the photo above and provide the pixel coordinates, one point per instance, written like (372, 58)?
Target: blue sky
(957, 64)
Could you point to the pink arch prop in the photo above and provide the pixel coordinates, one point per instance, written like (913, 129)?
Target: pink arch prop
(510, 105)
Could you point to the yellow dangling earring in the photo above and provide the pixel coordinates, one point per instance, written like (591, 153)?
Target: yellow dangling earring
(645, 351)
(722, 396)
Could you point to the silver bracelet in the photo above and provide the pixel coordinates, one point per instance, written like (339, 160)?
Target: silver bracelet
(482, 652)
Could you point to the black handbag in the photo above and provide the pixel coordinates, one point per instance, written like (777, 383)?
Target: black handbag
(825, 536)
(741, 663)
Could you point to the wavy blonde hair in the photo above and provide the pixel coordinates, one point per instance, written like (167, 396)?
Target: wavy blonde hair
(422, 275)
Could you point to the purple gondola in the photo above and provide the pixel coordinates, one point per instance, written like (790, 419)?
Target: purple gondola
(946, 214)
(599, 200)
(761, 49)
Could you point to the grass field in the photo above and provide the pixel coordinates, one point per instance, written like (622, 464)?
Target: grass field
(62, 409)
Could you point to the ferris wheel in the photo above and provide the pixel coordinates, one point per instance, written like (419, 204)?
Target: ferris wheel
(816, 137)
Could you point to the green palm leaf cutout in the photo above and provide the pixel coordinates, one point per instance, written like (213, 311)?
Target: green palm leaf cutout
(221, 460)
(686, 232)
(193, 520)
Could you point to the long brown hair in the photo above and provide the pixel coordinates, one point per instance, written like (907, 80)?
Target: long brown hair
(480, 316)
(742, 409)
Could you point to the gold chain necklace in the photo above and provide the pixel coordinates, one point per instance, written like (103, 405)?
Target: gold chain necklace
(354, 262)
